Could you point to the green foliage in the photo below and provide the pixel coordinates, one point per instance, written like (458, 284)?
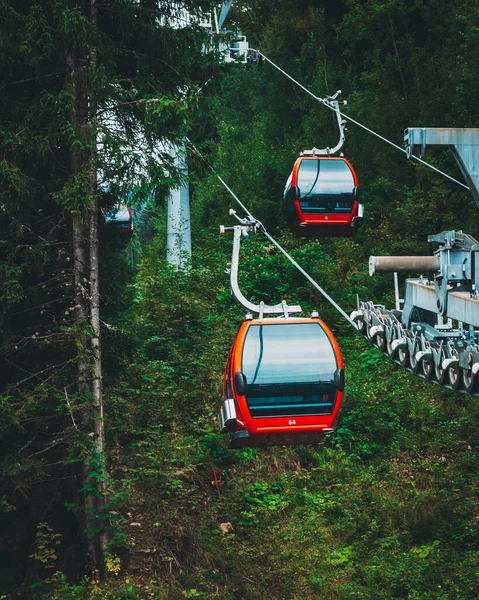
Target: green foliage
(46, 546)
(74, 195)
(348, 519)
(375, 513)
(58, 67)
(387, 508)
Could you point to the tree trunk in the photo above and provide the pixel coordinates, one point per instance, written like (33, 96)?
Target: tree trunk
(97, 388)
(87, 306)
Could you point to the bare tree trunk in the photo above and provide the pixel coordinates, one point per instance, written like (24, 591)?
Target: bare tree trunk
(97, 389)
(79, 232)
(82, 301)
(98, 482)
(87, 308)
(95, 500)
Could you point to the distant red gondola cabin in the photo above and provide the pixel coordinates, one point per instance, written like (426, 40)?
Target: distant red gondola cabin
(283, 383)
(321, 197)
(121, 216)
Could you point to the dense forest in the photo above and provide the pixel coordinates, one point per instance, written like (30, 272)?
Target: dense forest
(115, 481)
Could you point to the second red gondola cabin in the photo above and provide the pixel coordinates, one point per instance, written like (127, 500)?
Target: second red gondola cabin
(321, 197)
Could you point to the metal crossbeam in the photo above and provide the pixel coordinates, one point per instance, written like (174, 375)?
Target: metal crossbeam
(464, 143)
(224, 12)
(422, 294)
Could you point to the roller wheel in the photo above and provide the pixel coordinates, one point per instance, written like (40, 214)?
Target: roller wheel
(389, 343)
(439, 372)
(387, 323)
(454, 374)
(380, 340)
(389, 349)
(403, 356)
(368, 332)
(361, 325)
(470, 380)
(427, 367)
(415, 364)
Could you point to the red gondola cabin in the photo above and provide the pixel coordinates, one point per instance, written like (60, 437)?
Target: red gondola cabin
(321, 197)
(121, 216)
(283, 383)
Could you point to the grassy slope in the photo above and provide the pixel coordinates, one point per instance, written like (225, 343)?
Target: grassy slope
(387, 509)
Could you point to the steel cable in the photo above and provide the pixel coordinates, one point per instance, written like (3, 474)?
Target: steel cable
(325, 103)
(273, 241)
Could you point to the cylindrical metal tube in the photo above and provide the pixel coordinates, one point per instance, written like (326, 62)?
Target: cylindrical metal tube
(388, 264)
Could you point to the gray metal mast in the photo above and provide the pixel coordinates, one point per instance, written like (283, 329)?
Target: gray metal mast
(464, 143)
(178, 229)
(178, 232)
(224, 12)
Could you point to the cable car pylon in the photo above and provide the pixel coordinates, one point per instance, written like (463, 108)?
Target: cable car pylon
(178, 253)
(436, 333)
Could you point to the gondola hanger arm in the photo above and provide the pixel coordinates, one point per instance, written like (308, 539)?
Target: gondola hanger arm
(251, 226)
(333, 103)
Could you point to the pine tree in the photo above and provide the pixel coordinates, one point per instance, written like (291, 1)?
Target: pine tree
(81, 83)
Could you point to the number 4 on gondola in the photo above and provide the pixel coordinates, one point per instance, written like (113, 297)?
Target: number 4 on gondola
(321, 197)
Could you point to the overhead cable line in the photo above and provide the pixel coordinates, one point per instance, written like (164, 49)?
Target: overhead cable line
(308, 277)
(325, 103)
(273, 241)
